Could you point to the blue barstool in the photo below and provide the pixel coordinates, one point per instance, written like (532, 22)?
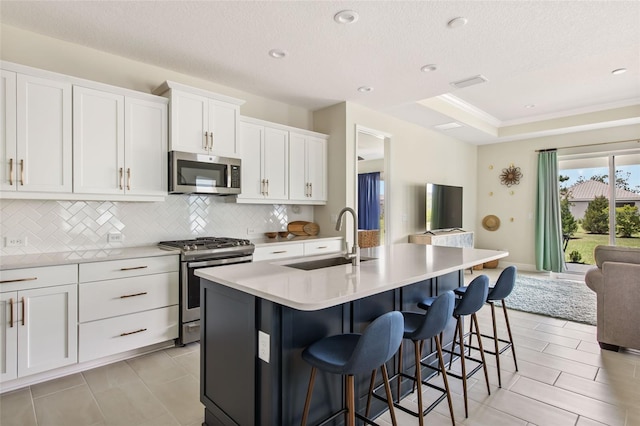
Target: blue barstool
(503, 288)
(471, 302)
(418, 328)
(352, 353)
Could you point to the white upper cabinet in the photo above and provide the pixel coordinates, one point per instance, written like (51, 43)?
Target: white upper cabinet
(120, 143)
(308, 168)
(202, 122)
(36, 134)
(265, 156)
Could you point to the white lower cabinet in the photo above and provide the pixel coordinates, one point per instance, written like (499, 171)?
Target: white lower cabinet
(39, 320)
(322, 247)
(127, 304)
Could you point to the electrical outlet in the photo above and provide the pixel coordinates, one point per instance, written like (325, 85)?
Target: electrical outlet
(250, 231)
(15, 241)
(115, 237)
(263, 346)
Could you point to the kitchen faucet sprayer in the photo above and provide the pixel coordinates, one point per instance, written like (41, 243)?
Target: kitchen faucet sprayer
(355, 251)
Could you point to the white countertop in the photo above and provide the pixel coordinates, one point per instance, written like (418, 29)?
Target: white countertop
(81, 256)
(395, 266)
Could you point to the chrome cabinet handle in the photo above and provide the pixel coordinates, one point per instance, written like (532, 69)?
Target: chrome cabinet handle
(11, 171)
(21, 172)
(121, 177)
(124, 296)
(206, 140)
(310, 189)
(278, 252)
(262, 187)
(133, 267)
(133, 332)
(267, 194)
(24, 303)
(18, 280)
(128, 179)
(211, 145)
(11, 312)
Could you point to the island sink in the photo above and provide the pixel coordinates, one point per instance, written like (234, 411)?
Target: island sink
(322, 263)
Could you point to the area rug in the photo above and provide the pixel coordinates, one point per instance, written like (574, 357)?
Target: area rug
(570, 300)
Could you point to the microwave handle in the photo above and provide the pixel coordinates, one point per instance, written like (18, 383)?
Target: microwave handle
(228, 175)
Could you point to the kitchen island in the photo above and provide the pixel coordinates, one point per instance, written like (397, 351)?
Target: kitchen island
(258, 317)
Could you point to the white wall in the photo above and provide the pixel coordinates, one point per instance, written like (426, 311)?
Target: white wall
(517, 211)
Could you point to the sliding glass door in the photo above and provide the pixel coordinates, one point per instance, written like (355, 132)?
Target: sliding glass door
(600, 199)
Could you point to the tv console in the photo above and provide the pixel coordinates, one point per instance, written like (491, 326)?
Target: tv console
(450, 237)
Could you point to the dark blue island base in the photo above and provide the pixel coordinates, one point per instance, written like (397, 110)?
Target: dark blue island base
(239, 388)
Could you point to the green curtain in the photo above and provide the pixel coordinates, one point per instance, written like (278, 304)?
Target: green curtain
(549, 254)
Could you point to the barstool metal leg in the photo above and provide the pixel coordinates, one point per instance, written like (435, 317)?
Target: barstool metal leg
(506, 319)
(399, 369)
(305, 413)
(418, 375)
(387, 387)
(350, 400)
(495, 341)
(474, 318)
(464, 367)
(444, 378)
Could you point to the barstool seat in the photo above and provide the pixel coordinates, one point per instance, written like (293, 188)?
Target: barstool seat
(350, 354)
(471, 302)
(498, 293)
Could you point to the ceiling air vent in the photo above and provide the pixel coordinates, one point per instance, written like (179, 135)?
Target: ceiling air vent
(447, 126)
(476, 79)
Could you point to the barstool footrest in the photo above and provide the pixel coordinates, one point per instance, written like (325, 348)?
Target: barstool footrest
(407, 376)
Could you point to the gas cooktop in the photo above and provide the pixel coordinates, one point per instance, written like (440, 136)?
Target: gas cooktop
(210, 246)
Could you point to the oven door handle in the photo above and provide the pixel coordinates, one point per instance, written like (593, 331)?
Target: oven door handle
(219, 262)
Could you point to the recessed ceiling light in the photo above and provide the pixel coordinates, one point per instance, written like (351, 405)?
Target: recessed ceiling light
(457, 22)
(619, 71)
(277, 53)
(346, 17)
(365, 89)
(529, 106)
(429, 68)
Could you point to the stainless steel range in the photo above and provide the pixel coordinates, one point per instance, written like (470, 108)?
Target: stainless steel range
(202, 253)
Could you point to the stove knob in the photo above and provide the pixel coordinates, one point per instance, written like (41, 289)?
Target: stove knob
(194, 247)
(186, 247)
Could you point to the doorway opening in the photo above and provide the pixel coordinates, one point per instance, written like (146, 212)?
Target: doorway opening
(372, 187)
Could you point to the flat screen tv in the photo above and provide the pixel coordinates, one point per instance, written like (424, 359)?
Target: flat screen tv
(443, 207)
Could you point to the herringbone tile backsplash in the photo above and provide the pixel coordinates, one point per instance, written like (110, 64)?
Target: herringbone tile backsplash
(56, 226)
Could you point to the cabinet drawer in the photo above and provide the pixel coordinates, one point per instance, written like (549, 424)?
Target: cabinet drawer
(104, 299)
(114, 335)
(321, 247)
(46, 276)
(125, 268)
(279, 251)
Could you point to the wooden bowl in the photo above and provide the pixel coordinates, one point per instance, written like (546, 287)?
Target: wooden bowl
(283, 234)
(271, 234)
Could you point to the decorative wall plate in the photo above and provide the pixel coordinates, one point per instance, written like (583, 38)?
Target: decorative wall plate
(510, 176)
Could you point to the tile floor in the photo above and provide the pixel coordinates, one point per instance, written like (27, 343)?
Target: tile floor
(563, 379)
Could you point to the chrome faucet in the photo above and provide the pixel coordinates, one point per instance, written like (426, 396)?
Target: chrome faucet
(355, 251)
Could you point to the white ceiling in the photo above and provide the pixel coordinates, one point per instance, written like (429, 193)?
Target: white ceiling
(557, 55)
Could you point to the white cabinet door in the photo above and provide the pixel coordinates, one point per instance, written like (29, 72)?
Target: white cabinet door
(189, 122)
(298, 184)
(223, 129)
(307, 168)
(48, 329)
(8, 153)
(251, 137)
(43, 130)
(145, 147)
(276, 163)
(8, 336)
(98, 142)
(316, 162)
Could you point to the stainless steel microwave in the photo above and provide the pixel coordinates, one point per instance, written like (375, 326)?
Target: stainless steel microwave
(203, 174)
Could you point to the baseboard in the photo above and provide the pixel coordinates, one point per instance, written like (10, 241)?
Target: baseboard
(77, 368)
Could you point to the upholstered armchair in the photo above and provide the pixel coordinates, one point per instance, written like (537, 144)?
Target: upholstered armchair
(616, 281)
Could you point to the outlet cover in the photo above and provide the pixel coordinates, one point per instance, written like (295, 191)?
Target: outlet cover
(263, 346)
(115, 237)
(15, 241)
